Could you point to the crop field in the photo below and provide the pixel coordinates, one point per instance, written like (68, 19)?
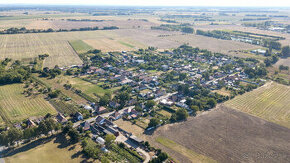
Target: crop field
(80, 47)
(269, 102)
(225, 135)
(14, 106)
(23, 46)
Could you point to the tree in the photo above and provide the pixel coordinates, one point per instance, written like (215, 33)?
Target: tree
(194, 108)
(181, 114)
(182, 76)
(211, 102)
(153, 122)
(104, 100)
(150, 104)
(109, 139)
(14, 135)
(74, 135)
(286, 51)
(187, 30)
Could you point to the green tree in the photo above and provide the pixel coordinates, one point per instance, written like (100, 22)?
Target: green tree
(153, 122)
(109, 139)
(150, 104)
(286, 51)
(181, 114)
(211, 102)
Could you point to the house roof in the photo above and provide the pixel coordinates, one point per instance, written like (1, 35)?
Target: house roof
(61, 118)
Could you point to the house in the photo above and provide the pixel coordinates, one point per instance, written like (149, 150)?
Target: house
(112, 131)
(79, 116)
(30, 123)
(101, 110)
(116, 115)
(88, 107)
(86, 125)
(60, 118)
(166, 102)
(114, 104)
(100, 120)
(136, 140)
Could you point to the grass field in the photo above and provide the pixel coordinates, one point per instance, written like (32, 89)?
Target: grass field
(55, 150)
(193, 156)
(80, 47)
(14, 106)
(270, 102)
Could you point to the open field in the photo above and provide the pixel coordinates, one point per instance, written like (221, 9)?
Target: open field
(269, 102)
(193, 156)
(57, 83)
(56, 150)
(225, 135)
(213, 44)
(14, 106)
(283, 61)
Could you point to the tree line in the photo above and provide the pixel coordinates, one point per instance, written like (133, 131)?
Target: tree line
(23, 30)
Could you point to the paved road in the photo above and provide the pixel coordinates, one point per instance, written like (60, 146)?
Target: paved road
(165, 96)
(103, 115)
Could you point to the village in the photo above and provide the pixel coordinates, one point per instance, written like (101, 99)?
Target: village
(156, 88)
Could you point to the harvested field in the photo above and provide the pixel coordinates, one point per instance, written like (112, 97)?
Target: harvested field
(114, 44)
(150, 37)
(14, 106)
(122, 24)
(212, 44)
(269, 102)
(226, 135)
(283, 61)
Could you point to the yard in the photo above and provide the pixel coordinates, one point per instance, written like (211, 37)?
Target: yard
(55, 150)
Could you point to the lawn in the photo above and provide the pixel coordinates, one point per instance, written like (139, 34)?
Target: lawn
(56, 150)
(80, 47)
(270, 102)
(193, 156)
(14, 106)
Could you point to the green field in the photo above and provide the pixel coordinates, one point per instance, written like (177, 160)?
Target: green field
(87, 87)
(193, 156)
(270, 102)
(14, 106)
(80, 47)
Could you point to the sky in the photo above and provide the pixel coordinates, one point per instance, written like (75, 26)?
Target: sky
(239, 3)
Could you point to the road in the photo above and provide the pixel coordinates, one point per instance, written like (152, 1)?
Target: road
(90, 120)
(165, 96)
